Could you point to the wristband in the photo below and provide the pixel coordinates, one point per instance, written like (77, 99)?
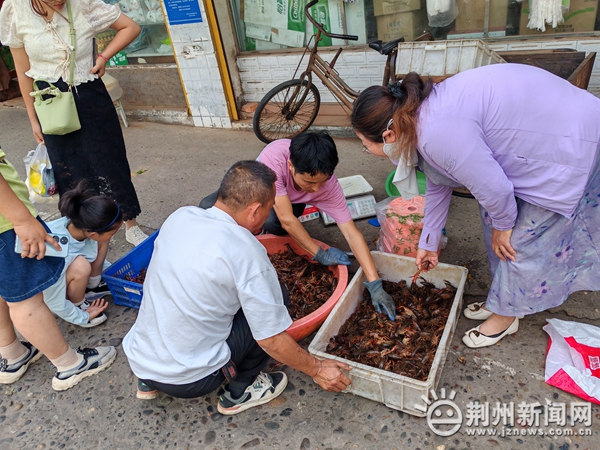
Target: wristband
(103, 57)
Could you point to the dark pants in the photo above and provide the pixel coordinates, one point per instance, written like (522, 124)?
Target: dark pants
(248, 357)
(272, 225)
(96, 153)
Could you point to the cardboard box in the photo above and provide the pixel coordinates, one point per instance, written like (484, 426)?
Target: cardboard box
(257, 12)
(355, 22)
(290, 38)
(581, 17)
(383, 7)
(329, 14)
(259, 45)
(280, 21)
(409, 25)
(288, 15)
(332, 14)
(261, 32)
(471, 14)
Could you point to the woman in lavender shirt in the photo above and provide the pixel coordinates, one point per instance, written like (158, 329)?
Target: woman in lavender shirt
(525, 143)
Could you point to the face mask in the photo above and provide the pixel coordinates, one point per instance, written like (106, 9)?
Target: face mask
(389, 149)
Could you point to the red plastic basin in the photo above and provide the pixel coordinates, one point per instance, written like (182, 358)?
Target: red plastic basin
(308, 324)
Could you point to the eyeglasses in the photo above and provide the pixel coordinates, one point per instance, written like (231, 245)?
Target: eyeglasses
(365, 148)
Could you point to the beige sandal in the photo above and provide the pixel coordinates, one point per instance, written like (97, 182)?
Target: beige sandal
(475, 311)
(475, 339)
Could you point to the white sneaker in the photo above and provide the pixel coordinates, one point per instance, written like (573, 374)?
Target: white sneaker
(94, 360)
(135, 235)
(84, 306)
(99, 291)
(9, 373)
(265, 388)
(95, 321)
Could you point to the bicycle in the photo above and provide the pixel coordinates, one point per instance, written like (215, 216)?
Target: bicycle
(292, 106)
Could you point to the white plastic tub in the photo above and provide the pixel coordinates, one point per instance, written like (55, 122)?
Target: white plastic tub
(443, 57)
(396, 391)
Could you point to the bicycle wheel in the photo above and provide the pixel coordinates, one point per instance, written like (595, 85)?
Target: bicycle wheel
(286, 111)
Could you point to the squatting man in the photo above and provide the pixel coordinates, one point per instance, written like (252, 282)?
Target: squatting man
(214, 310)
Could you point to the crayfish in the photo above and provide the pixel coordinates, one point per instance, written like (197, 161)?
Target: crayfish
(309, 284)
(139, 278)
(405, 346)
(424, 268)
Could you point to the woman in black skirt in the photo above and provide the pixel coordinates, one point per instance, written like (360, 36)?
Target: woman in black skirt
(37, 32)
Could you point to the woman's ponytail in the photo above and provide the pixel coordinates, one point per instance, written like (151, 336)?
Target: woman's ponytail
(90, 212)
(414, 90)
(72, 201)
(400, 100)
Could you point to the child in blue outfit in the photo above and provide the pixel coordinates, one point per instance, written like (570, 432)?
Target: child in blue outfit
(23, 277)
(89, 221)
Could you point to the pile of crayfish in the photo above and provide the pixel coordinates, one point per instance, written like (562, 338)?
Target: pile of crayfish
(309, 284)
(405, 346)
(139, 278)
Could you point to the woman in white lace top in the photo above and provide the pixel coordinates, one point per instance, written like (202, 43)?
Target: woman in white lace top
(37, 32)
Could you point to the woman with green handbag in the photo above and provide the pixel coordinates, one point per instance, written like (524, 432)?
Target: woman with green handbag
(52, 45)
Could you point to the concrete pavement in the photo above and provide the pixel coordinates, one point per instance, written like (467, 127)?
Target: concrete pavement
(173, 166)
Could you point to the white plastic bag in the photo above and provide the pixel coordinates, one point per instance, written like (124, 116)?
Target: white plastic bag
(40, 176)
(573, 358)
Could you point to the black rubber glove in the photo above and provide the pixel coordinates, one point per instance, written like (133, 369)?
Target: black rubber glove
(332, 257)
(381, 300)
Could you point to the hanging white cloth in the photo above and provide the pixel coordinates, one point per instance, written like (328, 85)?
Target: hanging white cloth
(542, 12)
(441, 12)
(405, 178)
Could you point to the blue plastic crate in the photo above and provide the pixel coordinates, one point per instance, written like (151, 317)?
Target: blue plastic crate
(128, 293)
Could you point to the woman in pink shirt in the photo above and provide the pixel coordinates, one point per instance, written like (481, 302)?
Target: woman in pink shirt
(525, 143)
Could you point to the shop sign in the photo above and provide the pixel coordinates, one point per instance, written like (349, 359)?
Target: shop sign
(181, 12)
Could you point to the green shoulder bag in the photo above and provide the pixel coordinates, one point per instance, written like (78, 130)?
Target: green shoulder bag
(57, 114)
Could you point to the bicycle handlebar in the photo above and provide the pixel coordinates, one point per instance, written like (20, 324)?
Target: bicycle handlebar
(348, 37)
